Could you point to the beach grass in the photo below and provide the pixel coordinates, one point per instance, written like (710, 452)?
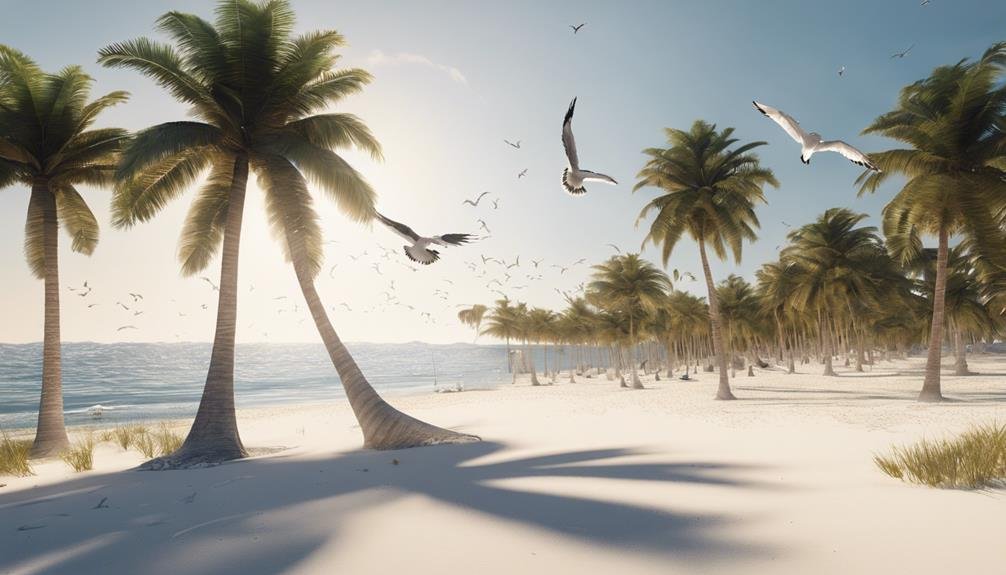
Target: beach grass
(80, 455)
(126, 435)
(14, 456)
(146, 444)
(167, 440)
(974, 459)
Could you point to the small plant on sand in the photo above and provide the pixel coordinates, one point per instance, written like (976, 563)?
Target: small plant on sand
(167, 440)
(80, 455)
(146, 444)
(127, 435)
(14, 455)
(976, 458)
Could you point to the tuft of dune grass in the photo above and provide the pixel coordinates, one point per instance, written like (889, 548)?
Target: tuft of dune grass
(14, 456)
(126, 435)
(167, 440)
(974, 459)
(80, 455)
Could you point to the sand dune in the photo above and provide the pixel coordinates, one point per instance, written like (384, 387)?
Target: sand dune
(572, 478)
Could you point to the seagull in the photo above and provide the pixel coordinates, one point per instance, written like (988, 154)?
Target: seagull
(513, 145)
(482, 225)
(89, 306)
(204, 306)
(127, 327)
(573, 177)
(496, 204)
(785, 224)
(136, 313)
(331, 272)
(536, 262)
(419, 251)
(377, 268)
(613, 246)
(515, 264)
(209, 281)
(905, 53)
(577, 27)
(579, 261)
(924, 3)
(136, 297)
(346, 305)
(811, 143)
(841, 71)
(477, 200)
(122, 305)
(488, 259)
(562, 269)
(522, 173)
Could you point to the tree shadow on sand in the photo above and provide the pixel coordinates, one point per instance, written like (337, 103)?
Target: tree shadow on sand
(285, 508)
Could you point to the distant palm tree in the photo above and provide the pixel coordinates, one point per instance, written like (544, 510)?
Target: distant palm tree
(501, 322)
(776, 282)
(46, 144)
(472, 317)
(740, 310)
(956, 170)
(833, 258)
(255, 89)
(632, 286)
(709, 193)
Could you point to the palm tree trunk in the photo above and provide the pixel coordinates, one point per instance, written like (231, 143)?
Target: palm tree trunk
(961, 363)
(214, 436)
(931, 386)
(50, 434)
(719, 345)
(636, 384)
(383, 426)
(825, 327)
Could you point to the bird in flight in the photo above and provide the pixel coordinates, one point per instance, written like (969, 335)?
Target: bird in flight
(522, 173)
(516, 263)
(122, 305)
(127, 327)
(579, 261)
(377, 268)
(811, 143)
(577, 27)
(477, 200)
(136, 297)
(92, 305)
(562, 269)
(841, 71)
(904, 53)
(419, 251)
(482, 225)
(209, 281)
(573, 177)
(614, 247)
(137, 312)
(496, 204)
(331, 272)
(511, 144)
(536, 262)
(487, 259)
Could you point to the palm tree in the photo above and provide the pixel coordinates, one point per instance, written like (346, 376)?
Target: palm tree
(833, 260)
(632, 286)
(956, 172)
(709, 192)
(46, 144)
(739, 308)
(472, 317)
(255, 90)
(776, 282)
(502, 323)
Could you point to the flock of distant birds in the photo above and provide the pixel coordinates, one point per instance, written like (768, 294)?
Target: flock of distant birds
(420, 249)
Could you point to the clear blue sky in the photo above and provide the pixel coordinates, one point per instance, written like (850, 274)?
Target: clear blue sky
(452, 79)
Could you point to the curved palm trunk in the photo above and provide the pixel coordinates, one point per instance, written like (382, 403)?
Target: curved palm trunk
(383, 426)
(931, 386)
(961, 363)
(50, 434)
(719, 344)
(214, 436)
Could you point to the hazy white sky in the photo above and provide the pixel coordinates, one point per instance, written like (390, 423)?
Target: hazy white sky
(453, 79)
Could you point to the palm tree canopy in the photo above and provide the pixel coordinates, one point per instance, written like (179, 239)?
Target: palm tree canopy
(256, 91)
(629, 284)
(46, 135)
(955, 164)
(710, 189)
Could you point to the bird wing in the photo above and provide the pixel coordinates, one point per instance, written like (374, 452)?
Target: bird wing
(785, 121)
(567, 137)
(401, 229)
(594, 176)
(423, 256)
(452, 239)
(854, 155)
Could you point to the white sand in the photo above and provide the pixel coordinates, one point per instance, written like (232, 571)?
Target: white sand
(583, 478)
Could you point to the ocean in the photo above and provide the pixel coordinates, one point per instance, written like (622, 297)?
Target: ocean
(149, 381)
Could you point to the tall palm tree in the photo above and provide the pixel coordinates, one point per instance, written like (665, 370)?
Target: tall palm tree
(956, 170)
(709, 192)
(631, 286)
(46, 144)
(256, 91)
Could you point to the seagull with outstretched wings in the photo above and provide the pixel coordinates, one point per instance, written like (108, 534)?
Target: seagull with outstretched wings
(811, 143)
(419, 251)
(573, 177)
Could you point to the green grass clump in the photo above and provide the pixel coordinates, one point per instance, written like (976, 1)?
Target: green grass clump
(127, 435)
(146, 444)
(80, 456)
(167, 440)
(977, 458)
(14, 455)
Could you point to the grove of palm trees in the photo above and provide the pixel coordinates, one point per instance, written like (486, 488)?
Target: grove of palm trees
(350, 312)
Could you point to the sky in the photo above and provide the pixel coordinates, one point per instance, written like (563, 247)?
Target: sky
(452, 80)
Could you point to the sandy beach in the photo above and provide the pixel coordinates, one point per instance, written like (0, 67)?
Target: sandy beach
(569, 478)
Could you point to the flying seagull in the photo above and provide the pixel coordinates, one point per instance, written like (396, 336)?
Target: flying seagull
(419, 251)
(127, 327)
(496, 204)
(573, 177)
(209, 281)
(136, 297)
(811, 143)
(841, 71)
(477, 200)
(902, 54)
(577, 27)
(613, 246)
(482, 224)
(522, 173)
(513, 145)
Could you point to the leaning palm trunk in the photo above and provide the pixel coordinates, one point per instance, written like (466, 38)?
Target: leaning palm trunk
(50, 435)
(719, 343)
(214, 436)
(931, 386)
(383, 426)
(961, 364)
